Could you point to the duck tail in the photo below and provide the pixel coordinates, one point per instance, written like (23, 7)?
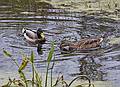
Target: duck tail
(23, 30)
(101, 39)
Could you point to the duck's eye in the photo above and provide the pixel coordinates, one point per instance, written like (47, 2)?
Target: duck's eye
(42, 35)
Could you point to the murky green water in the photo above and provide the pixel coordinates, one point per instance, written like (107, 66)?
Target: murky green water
(57, 23)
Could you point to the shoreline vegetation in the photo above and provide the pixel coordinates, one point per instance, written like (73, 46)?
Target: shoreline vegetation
(100, 8)
(36, 78)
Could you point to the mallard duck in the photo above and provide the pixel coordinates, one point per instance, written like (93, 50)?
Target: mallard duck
(34, 37)
(83, 44)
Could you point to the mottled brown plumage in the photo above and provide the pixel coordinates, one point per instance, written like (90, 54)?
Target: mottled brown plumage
(83, 44)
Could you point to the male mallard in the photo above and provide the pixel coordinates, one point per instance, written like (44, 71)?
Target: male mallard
(34, 37)
(83, 44)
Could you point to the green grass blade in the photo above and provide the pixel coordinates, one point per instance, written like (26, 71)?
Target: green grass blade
(23, 64)
(22, 67)
(32, 57)
(23, 78)
(8, 54)
(38, 80)
(50, 53)
(48, 60)
(32, 61)
(34, 73)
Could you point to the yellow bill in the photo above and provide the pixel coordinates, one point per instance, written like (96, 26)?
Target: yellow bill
(42, 35)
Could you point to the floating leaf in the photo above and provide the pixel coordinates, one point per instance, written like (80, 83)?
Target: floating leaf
(7, 53)
(24, 63)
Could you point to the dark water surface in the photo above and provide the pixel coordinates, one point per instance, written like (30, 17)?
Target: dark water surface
(57, 23)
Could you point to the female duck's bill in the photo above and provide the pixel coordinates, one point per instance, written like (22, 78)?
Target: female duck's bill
(83, 44)
(34, 37)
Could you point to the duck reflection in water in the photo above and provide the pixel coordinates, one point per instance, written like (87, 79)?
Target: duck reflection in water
(39, 49)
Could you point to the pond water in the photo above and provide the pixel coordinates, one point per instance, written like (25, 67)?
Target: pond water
(58, 23)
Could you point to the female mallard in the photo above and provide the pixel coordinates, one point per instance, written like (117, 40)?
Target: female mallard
(83, 44)
(34, 37)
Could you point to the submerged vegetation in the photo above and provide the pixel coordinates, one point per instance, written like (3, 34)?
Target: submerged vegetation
(36, 80)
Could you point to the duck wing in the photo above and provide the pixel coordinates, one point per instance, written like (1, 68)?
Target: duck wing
(87, 43)
(31, 34)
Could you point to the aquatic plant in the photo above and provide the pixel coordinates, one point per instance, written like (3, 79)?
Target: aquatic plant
(48, 60)
(36, 80)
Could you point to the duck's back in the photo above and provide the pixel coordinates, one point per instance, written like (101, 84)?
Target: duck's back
(31, 34)
(86, 43)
